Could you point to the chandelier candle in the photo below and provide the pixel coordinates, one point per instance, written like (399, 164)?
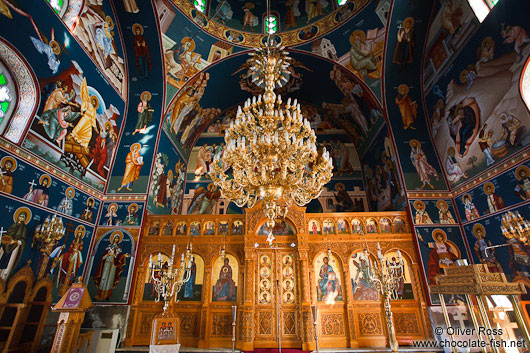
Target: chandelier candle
(271, 146)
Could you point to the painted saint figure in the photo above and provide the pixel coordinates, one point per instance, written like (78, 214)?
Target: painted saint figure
(110, 268)
(328, 284)
(132, 217)
(407, 107)
(419, 160)
(486, 256)
(70, 261)
(225, 287)
(145, 113)
(495, 202)
(406, 42)
(188, 287)
(522, 189)
(39, 194)
(141, 51)
(88, 213)
(444, 214)
(66, 205)
(133, 165)
(442, 254)
(469, 208)
(111, 215)
(82, 132)
(7, 166)
(421, 217)
(454, 172)
(13, 242)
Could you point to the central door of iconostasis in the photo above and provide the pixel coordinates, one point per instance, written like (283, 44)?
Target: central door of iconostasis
(277, 299)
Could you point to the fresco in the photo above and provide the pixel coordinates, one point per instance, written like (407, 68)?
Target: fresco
(73, 117)
(125, 214)
(31, 185)
(192, 290)
(358, 46)
(225, 279)
(149, 289)
(503, 190)
(382, 176)
(65, 257)
(111, 267)
(94, 28)
(440, 246)
(328, 278)
(132, 165)
(509, 254)
(432, 211)
(166, 191)
(361, 272)
(407, 29)
(476, 114)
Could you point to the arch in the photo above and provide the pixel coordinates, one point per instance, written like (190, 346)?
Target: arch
(285, 226)
(524, 84)
(37, 311)
(60, 6)
(192, 290)
(148, 292)
(225, 278)
(407, 286)
(15, 126)
(362, 289)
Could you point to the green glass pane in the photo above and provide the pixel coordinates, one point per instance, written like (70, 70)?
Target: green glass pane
(2, 80)
(4, 106)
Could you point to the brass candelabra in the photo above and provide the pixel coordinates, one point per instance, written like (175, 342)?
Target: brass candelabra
(515, 226)
(47, 234)
(168, 280)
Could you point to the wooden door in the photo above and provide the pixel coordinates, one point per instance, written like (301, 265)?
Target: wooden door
(277, 299)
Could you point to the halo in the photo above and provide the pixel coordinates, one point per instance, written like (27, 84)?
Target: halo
(403, 87)
(80, 227)
(440, 103)
(107, 123)
(88, 201)
(109, 20)
(135, 145)
(439, 204)
(113, 235)
(13, 161)
(248, 5)
(170, 174)
(112, 204)
(178, 165)
(489, 184)
(19, 211)
(95, 101)
(439, 231)
(56, 48)
(45, 176)
(408, 23)
(476, 227)
(486, 42)
(212, 187)
(414, 141)
(131, 206)
(137, 25)
(463, 75)
(451, 149)
(419, 203)
(357, 33)
(147, 94)
(186, 40)
(339, 185)
(466, 196)
(517, 171)
(68, 190)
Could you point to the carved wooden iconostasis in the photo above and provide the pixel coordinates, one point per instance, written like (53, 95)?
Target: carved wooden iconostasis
(313, 261)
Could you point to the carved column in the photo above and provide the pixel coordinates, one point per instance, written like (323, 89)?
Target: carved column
(417, 281)
(308, 334)
(352, 336)
(245, 341)
(206, 290)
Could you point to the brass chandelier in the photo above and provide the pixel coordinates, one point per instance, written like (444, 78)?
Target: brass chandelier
(270, 146)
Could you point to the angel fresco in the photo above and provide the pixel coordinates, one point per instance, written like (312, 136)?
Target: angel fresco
(204, 200)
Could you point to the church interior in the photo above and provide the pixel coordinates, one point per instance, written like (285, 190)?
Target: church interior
(264, 175)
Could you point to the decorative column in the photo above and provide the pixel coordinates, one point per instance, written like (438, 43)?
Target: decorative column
(352, 336)
(308, 334)
(205, 296)
(245, 341)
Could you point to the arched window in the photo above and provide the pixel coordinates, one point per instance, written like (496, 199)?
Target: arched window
(482, 8)
(271, 23)
(18, 93)
(524, 84)
(200, 5)
(59, 6)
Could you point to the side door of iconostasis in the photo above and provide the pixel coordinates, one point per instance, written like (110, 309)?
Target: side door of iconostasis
(277, 299)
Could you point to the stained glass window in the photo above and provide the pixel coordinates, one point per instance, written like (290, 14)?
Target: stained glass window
(57, 5)
(200, 5)
(341, 2)
(482, 8)
(271, 24)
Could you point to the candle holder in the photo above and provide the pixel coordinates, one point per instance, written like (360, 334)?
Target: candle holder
(315, 322)
(514, 226)
(46, 236)
(385, 277)
(167, 280)
(234, 318)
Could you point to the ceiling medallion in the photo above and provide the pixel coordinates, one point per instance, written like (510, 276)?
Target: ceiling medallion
(271, 147)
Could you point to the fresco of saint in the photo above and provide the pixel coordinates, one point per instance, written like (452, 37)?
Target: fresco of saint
(13, 241)
(110, 268)
(224, 289)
